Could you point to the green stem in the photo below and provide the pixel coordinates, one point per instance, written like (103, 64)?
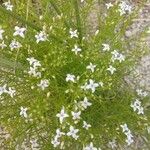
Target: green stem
(58, 12)
(37, 28)
(11, 14)
(78, 19)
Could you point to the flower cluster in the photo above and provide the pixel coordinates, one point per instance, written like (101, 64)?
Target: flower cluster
(76, 117)
(34, 64)
(141, 93)
(124, 8)
(8, 5)
(136, 105)
(128, 134)
(7, 90)
(41, 36)
(117, 56)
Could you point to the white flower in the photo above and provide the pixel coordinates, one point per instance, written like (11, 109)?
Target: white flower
(32, 71)
(111, 69)
(129, 141)
(73, 33)
(124, 8)
(113, 144)
(109, 5)
(15, 45)
(85, 103)
(59, 133)
(23, 112)
(55, 142)
(42, 36)
(43, 84)
(62, 115)
(19, 31)
(106, 47)
(137, 107)
(128, 134)
(124, 127)
(73, 132)
(11, 92)
(3, 89)
(90, 147)
(142, 93)
(34, 144)
(3, 45)
(8, 5)
(76, 49)
(70, 77)
(76, 115)
(32, 61)
(1, 32)
(86, 126)
(92, 85)
(91, 67)
(140, 111)
(117, 56)
(136, 104)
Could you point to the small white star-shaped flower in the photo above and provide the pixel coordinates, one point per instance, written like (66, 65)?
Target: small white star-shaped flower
(59, 133)
(142, 93)
(31, 60)
(140, 111)
(19, 31)
(91, 67)
(113, 144)
(23, 112)
(1, 32)
(43, 84)
(124, 127)
(90, 147)
(41, 36)
(70, 77)
(76, 49)
(55, 142)
(111, 69)
(85, 103)
(62, 115)
(86, 126)
(73, 33)
(3, 89)
(11, 92)
(109, 5)
(15, 45)
(76, 115)
(106, 47)
(92, 85)
(136, 104)
(3, 45)
(8, 5)
(129, 141)
(73, 132)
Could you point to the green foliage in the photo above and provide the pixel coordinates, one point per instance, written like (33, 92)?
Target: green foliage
(110, 103)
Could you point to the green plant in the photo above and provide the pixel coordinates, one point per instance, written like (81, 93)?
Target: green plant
(63, 88)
